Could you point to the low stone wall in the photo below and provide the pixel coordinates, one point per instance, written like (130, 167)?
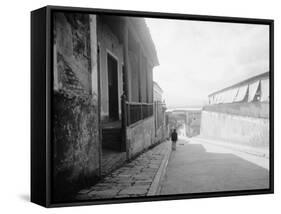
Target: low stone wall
(248, 131)
(253, 109)
(140, 136)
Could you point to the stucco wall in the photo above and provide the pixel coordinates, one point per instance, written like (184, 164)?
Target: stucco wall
(140, 136)
(248, 131)
(75, 145)
(75, 107)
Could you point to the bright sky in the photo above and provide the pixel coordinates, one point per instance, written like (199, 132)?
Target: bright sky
(198, 58)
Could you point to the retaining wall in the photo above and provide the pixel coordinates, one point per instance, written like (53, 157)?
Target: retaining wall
(248, 131)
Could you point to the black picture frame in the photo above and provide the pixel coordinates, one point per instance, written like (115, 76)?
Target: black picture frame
(41, 104)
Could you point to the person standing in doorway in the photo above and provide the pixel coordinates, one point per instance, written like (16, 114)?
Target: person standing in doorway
(174, 137)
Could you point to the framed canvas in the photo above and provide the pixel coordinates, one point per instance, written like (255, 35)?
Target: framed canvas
(131, 106)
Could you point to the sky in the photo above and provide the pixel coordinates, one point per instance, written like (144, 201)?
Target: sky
(197, 58)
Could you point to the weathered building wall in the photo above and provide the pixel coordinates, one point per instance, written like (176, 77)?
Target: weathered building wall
(140, 136)
(75, 107)
(160, 122)
(109, 44)
(140, 79)
(77, 60)
(248, 131)
(150, 83)
(159, 108)
(143, 79)
(161, 133)
(135, 77)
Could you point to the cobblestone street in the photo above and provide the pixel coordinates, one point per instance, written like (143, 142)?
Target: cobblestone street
(136, 178)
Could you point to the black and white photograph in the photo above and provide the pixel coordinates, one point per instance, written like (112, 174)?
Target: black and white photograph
(139, 107)
(147, 107)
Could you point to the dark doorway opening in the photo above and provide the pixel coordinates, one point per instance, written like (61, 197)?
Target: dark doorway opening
(112, 68)
(113, 154)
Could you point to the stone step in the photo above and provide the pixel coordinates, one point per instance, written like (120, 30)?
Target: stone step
(112, 138)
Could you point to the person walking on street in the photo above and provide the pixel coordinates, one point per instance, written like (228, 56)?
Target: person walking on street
(174, 137)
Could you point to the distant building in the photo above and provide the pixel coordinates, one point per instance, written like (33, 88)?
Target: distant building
(254, 89)
(239, 113)
(189, 118)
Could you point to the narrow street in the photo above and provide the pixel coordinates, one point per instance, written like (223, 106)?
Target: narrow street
(125, 85)
(198, 166)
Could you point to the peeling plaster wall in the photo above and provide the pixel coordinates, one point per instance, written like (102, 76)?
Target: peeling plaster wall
(75, 107)
(248, 131)
(140, 136)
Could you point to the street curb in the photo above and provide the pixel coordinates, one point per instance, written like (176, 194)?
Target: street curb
(155, 186)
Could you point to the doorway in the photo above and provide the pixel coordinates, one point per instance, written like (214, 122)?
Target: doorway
(113, 104)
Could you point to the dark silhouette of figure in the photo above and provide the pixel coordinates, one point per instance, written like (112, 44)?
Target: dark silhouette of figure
(174, 138)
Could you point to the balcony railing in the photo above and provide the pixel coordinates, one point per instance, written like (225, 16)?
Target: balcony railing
(137, 111)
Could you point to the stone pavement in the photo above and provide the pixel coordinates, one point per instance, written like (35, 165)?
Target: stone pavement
(139, 177)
